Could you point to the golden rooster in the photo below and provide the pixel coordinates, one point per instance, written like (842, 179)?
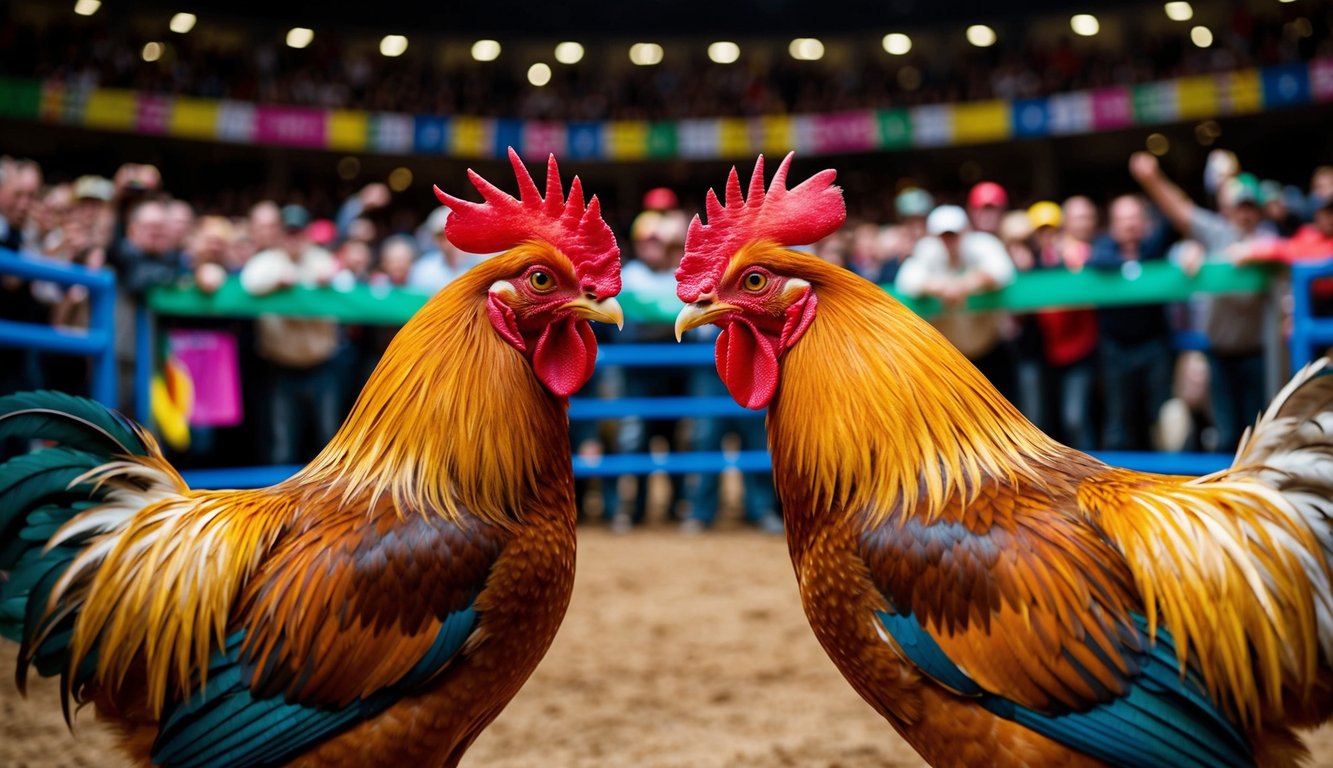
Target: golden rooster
(1000, 598)
(383, 605)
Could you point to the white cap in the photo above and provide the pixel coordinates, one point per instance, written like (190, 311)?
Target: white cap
(946, 218)
(436, 221)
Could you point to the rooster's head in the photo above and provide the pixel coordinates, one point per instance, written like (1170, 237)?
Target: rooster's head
(560, 268)
(738, 274)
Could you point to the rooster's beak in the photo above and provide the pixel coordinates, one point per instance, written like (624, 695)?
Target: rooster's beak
(700, 313)
(605, 311)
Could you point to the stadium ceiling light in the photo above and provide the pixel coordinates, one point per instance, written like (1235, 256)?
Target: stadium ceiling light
(981, 35)
(1158, 144)
(152, 52)
(539, 74)
(182, 23)
(393, 45)
(645, 54)
(1201, 36)
(897, 44)
(485, 50)
(400, 178)
(1085, 24)
(723, 52)
(1179, 11)
(299, 37)
(569, 53)
(806, 49)
(87, 7)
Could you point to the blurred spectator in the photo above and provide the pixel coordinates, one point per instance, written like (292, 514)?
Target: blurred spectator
(352, 221)
(1277, 210)
(209, 252)
(397, 255)
(304, 396)
(950, 264)
(1135, 340)
(20, 182)
(986, 204)
(1235, 323)
(180, 222)
(265, 226)
(355, 263)
(1068, 336)
(444, 263)
(913, 204)
(657, 241)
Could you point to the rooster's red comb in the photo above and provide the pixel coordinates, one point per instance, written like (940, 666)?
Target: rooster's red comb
(502, 222)
(797, 216)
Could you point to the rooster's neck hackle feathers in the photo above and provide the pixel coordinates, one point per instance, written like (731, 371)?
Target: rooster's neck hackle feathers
(798, 216)
(452, 418)
(889, 436)
(503, 222)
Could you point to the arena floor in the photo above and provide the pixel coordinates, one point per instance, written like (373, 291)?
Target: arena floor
(676, 653)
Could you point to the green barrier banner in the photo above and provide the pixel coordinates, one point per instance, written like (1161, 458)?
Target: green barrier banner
(1153, 283)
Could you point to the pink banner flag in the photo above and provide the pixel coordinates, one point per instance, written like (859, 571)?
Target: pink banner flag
(1112, 108)
(292, 126)
(845, 131)
(152, 114)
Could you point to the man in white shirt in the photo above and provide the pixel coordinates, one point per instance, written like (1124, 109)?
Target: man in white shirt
(442, 265)
(301, 352)
(950, 264)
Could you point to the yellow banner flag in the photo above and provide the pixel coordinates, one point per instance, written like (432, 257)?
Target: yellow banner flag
(626, 139)
(1196, 97)
(111, 108)
(194, 118)
(979, 121)
(348, 129)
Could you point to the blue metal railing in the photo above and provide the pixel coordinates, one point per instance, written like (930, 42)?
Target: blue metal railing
(98, 341)
(1307, 330)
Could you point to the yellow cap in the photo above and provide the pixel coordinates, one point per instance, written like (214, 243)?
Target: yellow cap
(1045, 214)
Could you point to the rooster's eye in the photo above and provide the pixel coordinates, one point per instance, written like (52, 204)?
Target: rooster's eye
(541, 281)
(755, 281)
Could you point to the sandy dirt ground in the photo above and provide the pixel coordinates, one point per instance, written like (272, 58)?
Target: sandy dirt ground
(677, 653)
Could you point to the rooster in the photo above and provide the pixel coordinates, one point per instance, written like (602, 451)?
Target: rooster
(383, 605)
(999, 598)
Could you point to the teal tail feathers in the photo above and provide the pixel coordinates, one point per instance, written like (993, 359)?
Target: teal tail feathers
(39, 493)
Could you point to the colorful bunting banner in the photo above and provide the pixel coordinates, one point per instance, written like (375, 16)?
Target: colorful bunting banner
(1189, 98)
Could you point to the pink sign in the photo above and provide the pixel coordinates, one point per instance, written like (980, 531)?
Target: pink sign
(153, 114)
(211, 359)
(1321, 79)
(845, 131)
(293, 126)
(1112, 108)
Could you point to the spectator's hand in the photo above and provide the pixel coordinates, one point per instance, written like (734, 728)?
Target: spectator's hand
(1191, 258)
(325, 276)
(209, 277)
(953, 293)
(141, 178)
(1143, 166)
(374, 196)
(1240, 253)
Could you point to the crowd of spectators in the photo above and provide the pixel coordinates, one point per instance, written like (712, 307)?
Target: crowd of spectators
(340, 71)
(1111, 379)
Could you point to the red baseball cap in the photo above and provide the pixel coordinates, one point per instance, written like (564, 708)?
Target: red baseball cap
(987, 193)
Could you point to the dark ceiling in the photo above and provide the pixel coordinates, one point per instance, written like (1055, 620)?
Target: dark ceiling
(739, 18)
